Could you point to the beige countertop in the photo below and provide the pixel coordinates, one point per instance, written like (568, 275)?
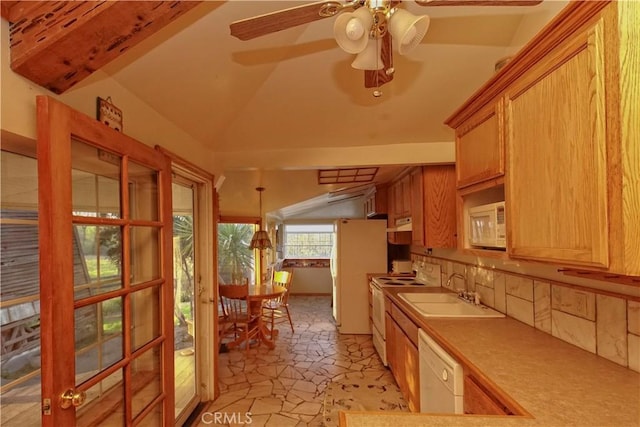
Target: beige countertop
(557, 383)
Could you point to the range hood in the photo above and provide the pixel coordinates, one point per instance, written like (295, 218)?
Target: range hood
(402, 224)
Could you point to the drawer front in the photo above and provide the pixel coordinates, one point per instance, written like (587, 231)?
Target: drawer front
(408, 327)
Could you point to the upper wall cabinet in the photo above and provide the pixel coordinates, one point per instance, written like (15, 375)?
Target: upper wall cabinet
(432, 200)
(395, 193)
(567, 109)
(438, 206)
(376, 202)
(480, 146)
(402, 197)
(557, 143)
(573, 184)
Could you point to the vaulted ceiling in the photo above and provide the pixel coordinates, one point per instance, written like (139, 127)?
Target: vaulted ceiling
(290, 100)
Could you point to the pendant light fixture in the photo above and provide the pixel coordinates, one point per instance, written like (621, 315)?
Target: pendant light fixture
(260, 239)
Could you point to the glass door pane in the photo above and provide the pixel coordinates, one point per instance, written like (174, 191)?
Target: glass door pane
(105, 226)
(184, 272)
(116, 330)
(20, 382)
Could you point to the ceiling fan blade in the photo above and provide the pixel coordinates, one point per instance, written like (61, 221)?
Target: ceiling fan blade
(250, 28)
(376, 78)
(478, 2)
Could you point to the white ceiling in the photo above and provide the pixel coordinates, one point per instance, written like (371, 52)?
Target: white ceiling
(295, 92)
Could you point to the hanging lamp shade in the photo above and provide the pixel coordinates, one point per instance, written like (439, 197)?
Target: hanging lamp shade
(260, 239)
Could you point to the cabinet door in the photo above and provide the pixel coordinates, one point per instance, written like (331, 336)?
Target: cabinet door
(556, 187)
(411, 373)
(476, 401)
(391, 215)
(480, 146)
(439, 206)
(395, 198)
(417, 206)
(405, 184)
(390, 344)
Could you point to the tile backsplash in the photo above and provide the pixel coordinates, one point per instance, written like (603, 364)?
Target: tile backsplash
(603, 323)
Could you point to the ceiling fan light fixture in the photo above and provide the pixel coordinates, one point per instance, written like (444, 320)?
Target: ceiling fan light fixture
(407, 29)
(370, 58)
(351, 30)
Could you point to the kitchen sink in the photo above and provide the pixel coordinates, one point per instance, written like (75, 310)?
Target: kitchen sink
(446, 305)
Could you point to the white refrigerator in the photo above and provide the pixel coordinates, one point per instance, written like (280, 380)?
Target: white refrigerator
(359, 247)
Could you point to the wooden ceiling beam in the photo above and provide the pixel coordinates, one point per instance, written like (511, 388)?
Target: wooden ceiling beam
(57, 44)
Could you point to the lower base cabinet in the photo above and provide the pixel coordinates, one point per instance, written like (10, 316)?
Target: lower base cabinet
(403, 360)
(478, 401)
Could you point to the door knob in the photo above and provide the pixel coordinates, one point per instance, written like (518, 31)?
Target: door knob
(71, 398)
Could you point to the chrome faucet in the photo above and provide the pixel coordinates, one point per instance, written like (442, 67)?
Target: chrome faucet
(472, 297)
(459, 276)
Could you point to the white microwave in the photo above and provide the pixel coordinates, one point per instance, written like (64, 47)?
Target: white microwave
(487, 226)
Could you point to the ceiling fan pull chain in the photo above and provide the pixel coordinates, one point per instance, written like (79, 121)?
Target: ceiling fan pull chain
(377, 93)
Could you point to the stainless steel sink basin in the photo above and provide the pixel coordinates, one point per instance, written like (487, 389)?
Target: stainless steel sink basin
(446, 305)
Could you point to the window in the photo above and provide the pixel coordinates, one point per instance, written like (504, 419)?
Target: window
(308, 240)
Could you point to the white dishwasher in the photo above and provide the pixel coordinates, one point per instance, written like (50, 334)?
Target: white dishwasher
(441, 378)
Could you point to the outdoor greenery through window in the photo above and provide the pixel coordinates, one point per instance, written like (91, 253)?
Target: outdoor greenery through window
(308, 240)
(236, 260)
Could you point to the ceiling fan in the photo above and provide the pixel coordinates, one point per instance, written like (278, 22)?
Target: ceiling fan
(365, 28)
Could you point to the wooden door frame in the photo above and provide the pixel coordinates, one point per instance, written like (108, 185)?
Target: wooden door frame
(206, 296)
(56, 124)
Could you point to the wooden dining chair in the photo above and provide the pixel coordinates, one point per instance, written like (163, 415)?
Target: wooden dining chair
(237, 321)
(276, 310)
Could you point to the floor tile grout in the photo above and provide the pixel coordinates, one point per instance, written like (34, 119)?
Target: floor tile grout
(286, 386)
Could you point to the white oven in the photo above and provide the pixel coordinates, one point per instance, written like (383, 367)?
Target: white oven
(428, 275)
(377, 318)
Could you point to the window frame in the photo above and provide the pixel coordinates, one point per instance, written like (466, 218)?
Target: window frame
(325, 248)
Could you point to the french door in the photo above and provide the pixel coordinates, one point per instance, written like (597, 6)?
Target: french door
(105, 274)
(186, 272)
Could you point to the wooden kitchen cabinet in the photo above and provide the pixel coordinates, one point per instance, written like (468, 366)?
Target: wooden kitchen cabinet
(480, 145)
(566, 112)
(402, 197)
(432, 200)
(402, 355)
(394, 192)
(565, 193)
(477, 400)
(439, 206)
(390, 344)
(417, 206)
(407, 360)
(376, 202)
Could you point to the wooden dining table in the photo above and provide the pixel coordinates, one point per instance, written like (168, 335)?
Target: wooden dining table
(257, 294)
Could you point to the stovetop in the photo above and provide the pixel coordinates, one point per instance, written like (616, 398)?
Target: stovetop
(397, 281)
(428, 275)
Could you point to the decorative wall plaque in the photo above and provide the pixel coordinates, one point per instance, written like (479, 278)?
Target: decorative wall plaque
(109, 114)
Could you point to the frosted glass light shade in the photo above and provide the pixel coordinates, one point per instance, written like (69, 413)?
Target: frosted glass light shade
(369, 58)
(407, 29)
(351, 30)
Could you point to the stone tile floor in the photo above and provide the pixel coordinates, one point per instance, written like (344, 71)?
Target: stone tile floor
(286, 386)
